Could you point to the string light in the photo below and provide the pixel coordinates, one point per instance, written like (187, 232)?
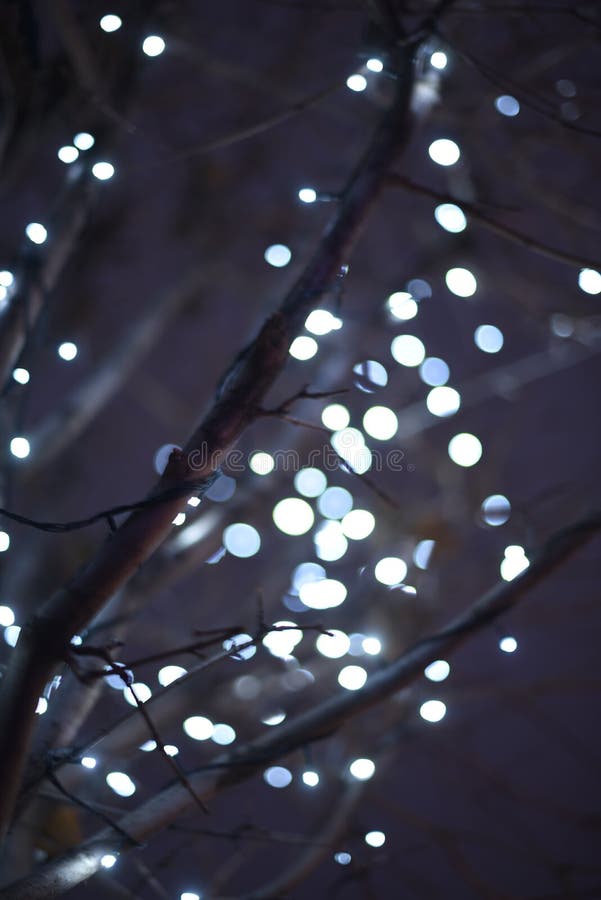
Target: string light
(488, 338)
(153, 45)
(110, 22)
(375, 838)
(277, 776)
(199, 728)
(433, 710)
(356, 82)
(20, 447)
(402, 306)
(278, 255)
(307, 195)
(450, 217)
(335, 417)
(461, 282)
(7, 616)
(121, 784)
(84, 141)
(438, 670)
(495, 510)
(241, 540)
(390, 571)
(88, 762)
(4, 545)
(293, 516)
(507, 105)
(352, 678)
(434, 371)
(67, 351)
(408, 350)
(36, 232)
(311, 779)
(589, 281)
(439, 59)
(443, 401)
(465, 449)
(108, 860)
(21, 376)
(508, 645)
(68, 155)
(362, 769)
(103, 170)
(444, 152)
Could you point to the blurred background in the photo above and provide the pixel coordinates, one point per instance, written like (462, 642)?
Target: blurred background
(166, 171)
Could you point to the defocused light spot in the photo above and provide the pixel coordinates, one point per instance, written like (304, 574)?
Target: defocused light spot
(310, 482)
(278, 255)
(439, 59)
(303, 347)
(370, 375)
(488, 338)
(141, 690)
(432, 710)
(118, 679)
(109, 859)
(333, 645)
(7, 616)
(419, 288)
(169, 674)
(422, 553)
(223, 734)
(171, 749)
(179, 519)
(561, 325)
(352, 678)
(21, 376)
(589, 281)
(358, 524)
(42, 706)
(408, 350)
(88, 762)
(68, 155)
(375, 838)
(36, 232)
(11, 635)
(321, 321)
(306, 572)
(199, 728)
(343, 859)
(444, 152)
(443, 401)
(275, 719)
(4, 545)
(148, 746)
(335, 502)
(19, 447)
(262, 463)
(330, 541)
(461, 282)
(324, 594)
(282, 643)
(515, 562)
(349, 444)
(83, 141)
(311, 779)
(238, 641)
(465, 449)
(508, 645)
(6, 278)
(434, 371)
(335, 416)
(356, 82)
(277, 776)
(390, 570)
(293, 516)
(402, 306)
(103, 171)
(450, 217)
(222, 489)
(241, 540)
(307, 195)
(437, 670)
(362, 769)
(189, 895)
(374, 65)
(67, 351)
(507, 105)
(110, 23)
(372, 646)
(496, 509)
(380, 423)
(153, 45)
(121, 784)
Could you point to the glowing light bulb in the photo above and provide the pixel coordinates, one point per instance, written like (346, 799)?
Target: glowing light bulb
(36, 232)
(307, 195)
(67, 351)
(19, 447)
(153, 45)
(356, 82)
(103, 171)
(67, 154)
(83, 141)
(110, 23)
(444, 152)
(278, 255)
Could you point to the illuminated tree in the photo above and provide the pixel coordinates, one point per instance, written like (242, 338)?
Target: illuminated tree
(278, 610)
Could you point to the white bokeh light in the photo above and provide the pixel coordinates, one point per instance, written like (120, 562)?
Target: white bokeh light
(199, 728)
(465, 449)
(372, 646)
(514, 563)
(434, 371)
(4, 545)
(322, 321)
(422, 553)
(408, 350)
(142, 693)
(244, 642)
(153, 45)
(11, 635)
(88, 762)
(335, 502)
(390, 570)
(375, 838)
(437, 670)
(439, 59)
(110, 22)
(310, 482)
(241, 540)
(282, 643)
(508, 644)
(293, 516)
(444, 152)
(496, 510)
(278, 255)
(358, 524)
(443, 401)
(450, 217)
(310, 778)
(488, 338)
(6, 278)
(67, 351)
(223, 734)
(335, 417)
(20, 375)
(356, 82)
(277, 776)
(303, 347)
(7, 616)
(333, 645)
(461, 282)
(433, 710)
(68, 154)
(507, 105)
(169, 674)
(262, 463)
(108, 860)
(83, 141)
(103, 170)
(20, 447)
(324, 594)
(330, 541)
(362, 769)
(401, 305)
(307, 195)
(371, 375)
(121, 784)
(36, 232)
(352, 678)
(374, 65)
(589, 281)
(380, 423)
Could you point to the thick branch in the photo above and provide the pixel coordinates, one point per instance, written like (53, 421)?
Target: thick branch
(240, 764)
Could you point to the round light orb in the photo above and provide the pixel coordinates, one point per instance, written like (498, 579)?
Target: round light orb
(282, 643)
(103, 170)
(437, 670)
(7, 616)
(465, 449)
(443, 401)
(439, 59)
(311, 779)
(324, 594)
(352, 678)
(370, 375)
(433, 710)
(390, 571)
(401, 305)
(4, 545)
(67, 351)
(375, 838)
(20, 447)
(138, 692)
(262, 463)
(362, 769)
(20, 375)
(303, 348)
(356, 82)
(589, 281)
(434, 371)
(461, 282)
(321, 321)
(422, 553)
(343, 859)
(507, 105)
(488, 338)
(380, 423)
(121, 784)
(333, 645)
(293, 516)
(495, 510)
(199, 728)
(408, 350)
(508, 645)
(278, 255)
(83, 141)
(153, 45)
(241, 540)
(36, 232)
(108, 860)
(307, 195)
(277, 776)
(330, 541)
(335, 417)
(110, 23)
(223, 734)
(450, 217)
(358, 524)
(335, 502)
(68, 154)
(310, 482)
(374, 65)
(168, 674)
(444, 152)
(371, 645)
